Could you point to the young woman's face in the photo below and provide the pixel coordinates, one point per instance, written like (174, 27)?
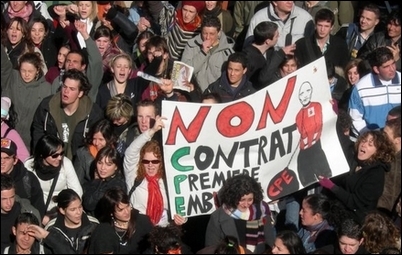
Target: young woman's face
(366, 148)
(14, 33)
(353, 75)
(142, 44)
(289, 67)
(279, 247)
(122, 212)
(307, 217)
(38, 33)
(245, 202)
(121, 69)
(151, 163)
(55, 159)
(106, 168)
(98, 140)
(28, 72)
(85, 9)
(61, 57)
(73, 212)
(103, 43)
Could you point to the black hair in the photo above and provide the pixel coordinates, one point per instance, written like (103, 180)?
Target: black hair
(211, 21)
(166, 238)
(263, 31)
(77, 75)
(239, 57)
(228, 245)
(325, 14)
(292, 241)
(46, 146)
(7, 182)
(65, 197)
(380, 56)
(213, 95)
(26, 217)
(395, 111)
(237, 186)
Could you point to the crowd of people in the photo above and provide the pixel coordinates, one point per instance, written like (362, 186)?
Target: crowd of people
(82, 163)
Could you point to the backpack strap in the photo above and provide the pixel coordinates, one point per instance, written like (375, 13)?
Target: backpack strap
(7, 131)
(137, 182)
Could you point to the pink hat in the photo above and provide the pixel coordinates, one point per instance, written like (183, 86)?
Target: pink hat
(199, 5)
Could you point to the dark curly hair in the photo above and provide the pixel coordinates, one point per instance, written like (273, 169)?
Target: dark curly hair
(385, 150)
(164, 239)
(236, 187)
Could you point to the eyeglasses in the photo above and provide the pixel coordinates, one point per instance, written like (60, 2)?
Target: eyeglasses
(56, 155)
(154, 162)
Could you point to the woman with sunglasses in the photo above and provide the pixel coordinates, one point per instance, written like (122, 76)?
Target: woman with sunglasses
(147, 183)
(109, 174)
(54, 172)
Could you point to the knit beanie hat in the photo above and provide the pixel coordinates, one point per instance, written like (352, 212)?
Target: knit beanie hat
(199, 5)
(5, 107)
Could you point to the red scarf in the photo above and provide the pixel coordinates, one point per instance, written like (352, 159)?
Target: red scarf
(155, 200)
(23, 13)
(193, 26)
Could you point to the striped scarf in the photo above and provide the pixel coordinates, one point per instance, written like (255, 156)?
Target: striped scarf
(180, 34)
(251, 227)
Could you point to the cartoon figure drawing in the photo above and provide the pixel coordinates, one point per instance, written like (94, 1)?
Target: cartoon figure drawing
(311, 161)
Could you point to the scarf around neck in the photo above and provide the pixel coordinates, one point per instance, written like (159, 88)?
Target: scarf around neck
(214, 12)
(314, 230)
(23, 13)
(45, 172)
(155, 200)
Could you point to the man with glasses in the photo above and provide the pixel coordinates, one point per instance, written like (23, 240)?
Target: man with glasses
(26, 184)
(68, 114)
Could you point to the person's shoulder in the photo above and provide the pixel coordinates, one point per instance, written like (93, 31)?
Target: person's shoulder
(300, 13)
(28, 164)
(365, 82)
(261, 13)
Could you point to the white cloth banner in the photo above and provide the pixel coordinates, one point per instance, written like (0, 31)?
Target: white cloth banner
(283, 136)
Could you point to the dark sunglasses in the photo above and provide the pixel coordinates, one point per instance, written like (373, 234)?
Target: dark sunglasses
(154, 162)
(56, 155)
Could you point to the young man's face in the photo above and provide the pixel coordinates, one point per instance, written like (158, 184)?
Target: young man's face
(368, 20)
(7, 163)
(74, 61)
(70, 92)
(386, 71)
(7, 200)
(323, 29)
(23, 240)
(235, 72)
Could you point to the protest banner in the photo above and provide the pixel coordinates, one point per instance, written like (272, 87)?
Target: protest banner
(283, 136)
